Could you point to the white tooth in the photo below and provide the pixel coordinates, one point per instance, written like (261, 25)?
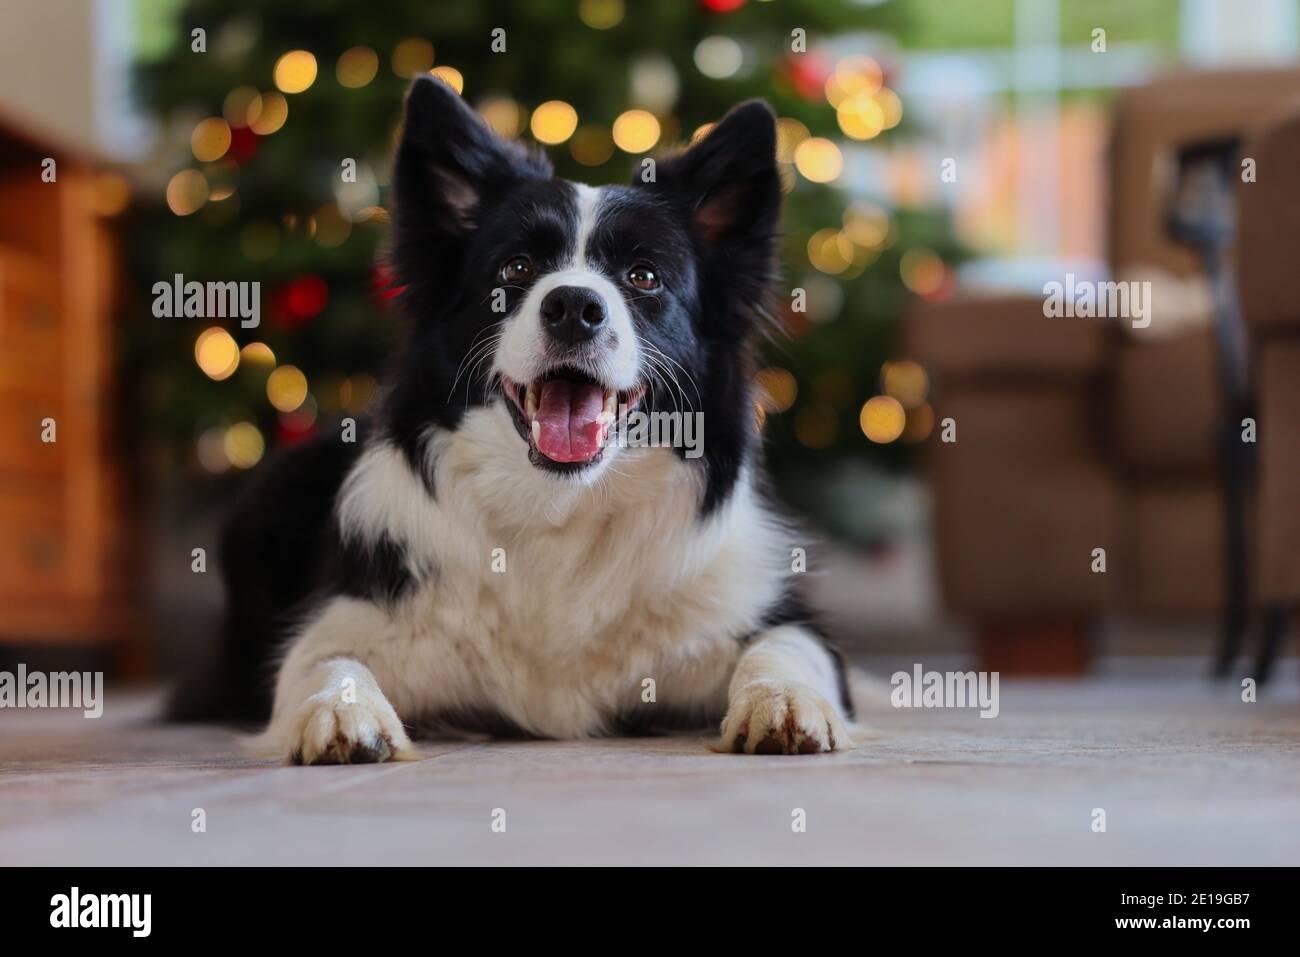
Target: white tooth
(537, 431)
(530, 401)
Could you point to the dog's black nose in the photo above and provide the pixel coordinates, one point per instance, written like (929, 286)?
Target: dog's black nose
(572, 314)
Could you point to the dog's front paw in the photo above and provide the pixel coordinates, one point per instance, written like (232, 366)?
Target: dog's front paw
(781, 717)
(332, 729)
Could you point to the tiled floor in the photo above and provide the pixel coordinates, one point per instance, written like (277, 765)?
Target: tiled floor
(1186, 774)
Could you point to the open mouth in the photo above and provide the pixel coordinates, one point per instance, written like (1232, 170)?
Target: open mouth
(565, 415)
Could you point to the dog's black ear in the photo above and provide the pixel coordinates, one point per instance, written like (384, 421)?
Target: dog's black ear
(730, 184)
(449, 165)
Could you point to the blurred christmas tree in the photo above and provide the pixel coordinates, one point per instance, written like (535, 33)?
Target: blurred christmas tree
(263, 109)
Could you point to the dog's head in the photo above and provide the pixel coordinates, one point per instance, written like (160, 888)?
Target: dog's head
(566, 306)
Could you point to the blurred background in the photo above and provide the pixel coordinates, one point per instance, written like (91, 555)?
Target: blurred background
(943, 159)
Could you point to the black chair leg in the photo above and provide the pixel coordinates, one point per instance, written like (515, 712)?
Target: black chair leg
(1275, 622)
(1236, 599)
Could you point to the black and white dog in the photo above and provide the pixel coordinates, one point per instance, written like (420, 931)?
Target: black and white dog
(483, 557)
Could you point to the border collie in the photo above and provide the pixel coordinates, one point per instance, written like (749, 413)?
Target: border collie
(483, 557)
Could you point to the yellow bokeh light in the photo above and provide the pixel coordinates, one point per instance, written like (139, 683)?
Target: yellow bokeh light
(554, 122)
(882, 419)
(217, 353)
(891, 107)
(451, 76)
(592, 145)
(818, 159)
(601, 14)
(356, 67)
(257, 354)
(295, 71)
(274, 111)
(866, 224)
(243, 445)
(906, 381)
(777, 389)
(286, 387)
(210, 139)
(920, 423)
(853, 75)
(860, 117)
(241, 106)
(187, 191)
(922, 271)
(412, 56)
(636, 131)
(504, 115)
(830, 251)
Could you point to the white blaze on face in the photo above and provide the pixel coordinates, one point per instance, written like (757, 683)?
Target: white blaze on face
(522, 353)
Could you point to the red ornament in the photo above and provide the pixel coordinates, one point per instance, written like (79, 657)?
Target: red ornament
(243, 144)
(294, 428)
(306, 297)
(722, 6)
(808, 73)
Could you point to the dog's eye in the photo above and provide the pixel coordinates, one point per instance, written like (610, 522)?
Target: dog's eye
(516, 269)
(643, 277)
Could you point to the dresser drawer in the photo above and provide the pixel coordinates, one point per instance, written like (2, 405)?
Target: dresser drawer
(33, 559)
(30, 320)
(22, 411)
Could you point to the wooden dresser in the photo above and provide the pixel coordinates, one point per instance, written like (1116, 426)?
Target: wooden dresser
(67, 556)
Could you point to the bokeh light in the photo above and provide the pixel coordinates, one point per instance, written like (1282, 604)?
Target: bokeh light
(891, 107)
(257, 354)
(295, 71)
(356, 67)
(242, 106)
(592, 145)
(553, 122)
(217, 353)
(830, 251)
(412, 56)
(636, 131)
(922, 271)
(451, 76)
(210, 139)
(777, 389)
(920, 423)
(860, 117)
(187, 191)
(601, 14)
(286, 388)
(243, 445)
(719, 57)
(818, 160)
(853, 75)
(866, 224)
(882, 419)
(274, 111)
(504, 115)
(906, 381)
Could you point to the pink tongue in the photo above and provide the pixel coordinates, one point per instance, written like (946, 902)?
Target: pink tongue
(568, 413)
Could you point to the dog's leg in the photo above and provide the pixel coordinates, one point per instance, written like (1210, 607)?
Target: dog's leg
(329, 707)
(784, 697)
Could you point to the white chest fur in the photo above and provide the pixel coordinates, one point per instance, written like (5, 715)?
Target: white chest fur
(558, 605)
